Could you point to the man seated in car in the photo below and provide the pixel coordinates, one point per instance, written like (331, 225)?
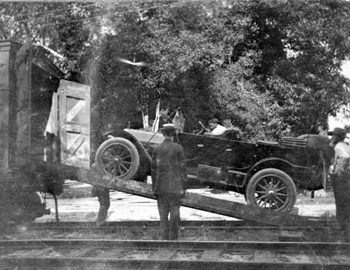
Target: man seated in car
(215, 127)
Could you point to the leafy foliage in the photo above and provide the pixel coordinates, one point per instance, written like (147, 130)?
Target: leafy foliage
(271, 67)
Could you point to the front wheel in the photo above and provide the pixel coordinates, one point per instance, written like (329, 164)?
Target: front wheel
(118, 157)
(271, 189)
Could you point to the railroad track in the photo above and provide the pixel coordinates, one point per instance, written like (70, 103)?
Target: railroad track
(189, 230)
(111, 254)
(212, 224)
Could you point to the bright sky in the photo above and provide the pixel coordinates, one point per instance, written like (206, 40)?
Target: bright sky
(346, 68)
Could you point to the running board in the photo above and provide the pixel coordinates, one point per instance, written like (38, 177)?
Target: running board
(192, 200)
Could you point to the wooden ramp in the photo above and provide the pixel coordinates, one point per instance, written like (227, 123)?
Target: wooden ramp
(192, 200)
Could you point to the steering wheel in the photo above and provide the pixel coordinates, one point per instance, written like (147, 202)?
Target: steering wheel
(203, 129)
(201, 132)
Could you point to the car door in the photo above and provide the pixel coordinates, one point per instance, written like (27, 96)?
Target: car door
(223, 152)
(193, 146)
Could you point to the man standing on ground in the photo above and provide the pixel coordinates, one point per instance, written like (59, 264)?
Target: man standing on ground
(341, 179)
(102, 194)
(168, 179)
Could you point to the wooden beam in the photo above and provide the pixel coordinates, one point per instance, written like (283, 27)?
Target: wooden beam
(192, 200)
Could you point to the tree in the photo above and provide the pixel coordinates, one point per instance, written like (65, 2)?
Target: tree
(272, 67)
(303, 46)
(62, 27)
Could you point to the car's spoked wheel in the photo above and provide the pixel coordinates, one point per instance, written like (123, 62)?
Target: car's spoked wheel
(118, 157)
(271, 189)
(117, 160)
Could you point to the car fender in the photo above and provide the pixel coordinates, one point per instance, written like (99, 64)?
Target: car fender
(273, 162)
(124, 134)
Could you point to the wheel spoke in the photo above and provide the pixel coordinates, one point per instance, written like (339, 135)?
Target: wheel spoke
(113, 151)
(116, 151)
(106, 161)
(262, 198)
(125, 154)
(282, 194)
(263, 187)
(266, 182)
(276, 185)
(126, 157)
(279, 199)
(126, 163)
(260, 192)
(107, 155)
(112, 168)
(279, 189)
(123, 150)
(119, 169)
(109, 167)
(124, 167)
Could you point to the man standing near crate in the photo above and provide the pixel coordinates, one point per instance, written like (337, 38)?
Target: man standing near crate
(168, 180)
(340, 175)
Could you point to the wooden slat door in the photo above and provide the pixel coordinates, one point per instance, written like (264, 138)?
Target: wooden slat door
(74, 123)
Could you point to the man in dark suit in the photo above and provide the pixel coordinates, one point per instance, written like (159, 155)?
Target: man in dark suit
(168, 178)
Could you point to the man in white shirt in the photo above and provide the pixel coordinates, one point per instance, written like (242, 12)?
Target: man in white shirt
(215, 127)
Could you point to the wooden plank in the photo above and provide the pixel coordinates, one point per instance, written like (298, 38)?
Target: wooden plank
(163, 254)
(192, 200)
(23, 102)
(4, 104)
(113, 253)
(291, 236)
(211, 255)
(78, 253)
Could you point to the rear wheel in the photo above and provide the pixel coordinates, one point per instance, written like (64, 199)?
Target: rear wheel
(271, 189)
(118, 157)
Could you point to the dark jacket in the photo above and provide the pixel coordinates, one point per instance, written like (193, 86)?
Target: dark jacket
(168, 168)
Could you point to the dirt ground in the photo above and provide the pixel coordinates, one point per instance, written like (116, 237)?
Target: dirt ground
(77, 204)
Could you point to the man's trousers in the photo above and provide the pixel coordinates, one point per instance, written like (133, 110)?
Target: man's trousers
(169, 204)
(341, 187)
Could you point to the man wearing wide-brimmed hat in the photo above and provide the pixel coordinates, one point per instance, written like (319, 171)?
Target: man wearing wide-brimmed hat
(341, 179)
(168, 178)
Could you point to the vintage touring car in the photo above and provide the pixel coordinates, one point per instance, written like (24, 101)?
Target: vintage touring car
(269, 174)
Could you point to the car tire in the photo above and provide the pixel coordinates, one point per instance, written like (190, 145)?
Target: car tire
(271, 189)
(118, 157)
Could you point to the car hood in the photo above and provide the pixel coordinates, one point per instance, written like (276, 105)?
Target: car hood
(146, 136)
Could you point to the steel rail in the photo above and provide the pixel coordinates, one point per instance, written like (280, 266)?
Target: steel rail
(328, 232)
(234, 230)
(111, 254)
(235, 224)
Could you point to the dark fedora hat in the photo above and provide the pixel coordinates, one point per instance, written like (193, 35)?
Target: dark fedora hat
(168, 128)
(338, 131)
